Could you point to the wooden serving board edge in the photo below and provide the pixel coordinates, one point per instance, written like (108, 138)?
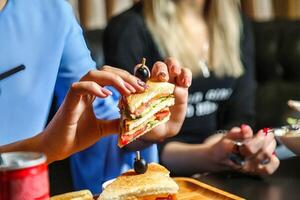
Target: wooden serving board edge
(209, 187)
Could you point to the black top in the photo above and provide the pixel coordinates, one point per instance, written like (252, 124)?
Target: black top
(214, 103)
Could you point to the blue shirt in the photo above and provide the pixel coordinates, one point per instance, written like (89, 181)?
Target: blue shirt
(44, 36)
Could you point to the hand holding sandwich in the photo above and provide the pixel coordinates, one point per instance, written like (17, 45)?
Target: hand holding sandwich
(75, 126)
(171, 71)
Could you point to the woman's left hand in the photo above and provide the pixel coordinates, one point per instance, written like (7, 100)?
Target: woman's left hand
(171, 71)
(260, 153)
(257, 150)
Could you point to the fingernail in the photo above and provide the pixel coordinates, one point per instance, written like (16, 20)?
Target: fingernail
(243, 126)
(141, 83)
(106, 91)
(235, 129)
(187, 82)
(129, 87)
(162, 76)
(266, 130)
(261, 133)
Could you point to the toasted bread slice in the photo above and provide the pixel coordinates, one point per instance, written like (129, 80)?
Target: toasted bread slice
(154, 89)
(155, 182)
(78, 195)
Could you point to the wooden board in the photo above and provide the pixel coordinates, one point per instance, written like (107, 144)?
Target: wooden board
(191, 189)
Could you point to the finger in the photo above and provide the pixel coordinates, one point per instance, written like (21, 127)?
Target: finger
(247, 131)
(89, 87)
(237, 133)
(269, 168)
(233, 134)
(265, 154)
(249, 167)
(70, 110)
(174, 68)
(160, 72)
(135, 84)
(107, 78)
(227, 147)
(185, 78)
(252, 146)
(107, 127)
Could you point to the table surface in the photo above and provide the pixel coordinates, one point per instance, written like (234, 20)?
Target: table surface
(283, 184)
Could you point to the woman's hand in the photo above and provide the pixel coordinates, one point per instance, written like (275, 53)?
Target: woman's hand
(171, 71)
(258, 150)
(75, 126)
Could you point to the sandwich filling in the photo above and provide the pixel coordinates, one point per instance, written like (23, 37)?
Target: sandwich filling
(159, 118)
(145, 117)
(141, 112)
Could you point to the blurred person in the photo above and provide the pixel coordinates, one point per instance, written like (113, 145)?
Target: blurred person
(213, 40)
(42, 53)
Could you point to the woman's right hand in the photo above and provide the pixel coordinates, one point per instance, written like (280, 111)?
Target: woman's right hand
(75, 126)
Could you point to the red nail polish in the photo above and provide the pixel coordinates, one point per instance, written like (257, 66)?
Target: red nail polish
(266, 131)
(243, 126)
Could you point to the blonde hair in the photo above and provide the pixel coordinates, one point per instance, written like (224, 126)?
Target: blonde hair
(224, 25)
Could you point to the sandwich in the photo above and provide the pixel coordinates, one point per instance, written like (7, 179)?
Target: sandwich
(155, 184)
(141, 112)
(78, 195)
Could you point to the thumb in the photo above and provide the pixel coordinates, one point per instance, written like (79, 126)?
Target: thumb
(236, 133)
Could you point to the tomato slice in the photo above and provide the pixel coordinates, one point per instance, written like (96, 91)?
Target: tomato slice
(143, 107)
(125, 139)
(165, 198)
(162, 114)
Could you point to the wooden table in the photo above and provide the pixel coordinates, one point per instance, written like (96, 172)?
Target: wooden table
(284, 184)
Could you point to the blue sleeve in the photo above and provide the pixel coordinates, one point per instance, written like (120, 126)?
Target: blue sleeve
(75, 62)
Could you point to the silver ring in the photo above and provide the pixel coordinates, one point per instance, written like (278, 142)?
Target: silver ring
(236, 157)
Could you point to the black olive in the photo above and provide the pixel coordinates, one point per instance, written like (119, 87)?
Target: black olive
(142, 71)
(140, 166)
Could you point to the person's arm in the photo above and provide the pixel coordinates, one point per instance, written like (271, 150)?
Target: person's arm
(75, 126)
(30, 144)
(213, 154)
(183, 158)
